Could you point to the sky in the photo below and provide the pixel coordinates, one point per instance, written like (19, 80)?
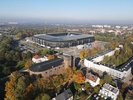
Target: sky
(118, 11)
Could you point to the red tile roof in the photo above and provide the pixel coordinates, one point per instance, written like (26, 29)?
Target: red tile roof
(91, 77)
(36, 57)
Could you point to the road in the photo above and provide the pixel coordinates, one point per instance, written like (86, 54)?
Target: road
(21, 71)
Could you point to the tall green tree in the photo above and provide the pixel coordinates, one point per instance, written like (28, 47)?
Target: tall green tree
(107, 78)
(43, 96)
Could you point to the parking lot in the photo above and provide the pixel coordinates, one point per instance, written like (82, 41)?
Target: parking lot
(24, 46)
(74, 51)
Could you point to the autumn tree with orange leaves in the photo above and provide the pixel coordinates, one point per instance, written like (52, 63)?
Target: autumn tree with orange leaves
(84, 53)
(28, 63)
(79, 77)
(11, 85)
(10, 89)
(52, 56)
(19, 87)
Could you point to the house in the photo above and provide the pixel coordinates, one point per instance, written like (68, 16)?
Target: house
(92, 79)
(38, 59)
(109, 91)
(66, 95)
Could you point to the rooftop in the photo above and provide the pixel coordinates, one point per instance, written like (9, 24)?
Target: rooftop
(99, 54)
(64, 96)
(62, 36)
(110, 88)
(43, 66)
(124, 67)
(91, 77)
(36, 57)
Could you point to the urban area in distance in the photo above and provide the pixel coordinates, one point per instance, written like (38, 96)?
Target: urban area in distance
(66, 50)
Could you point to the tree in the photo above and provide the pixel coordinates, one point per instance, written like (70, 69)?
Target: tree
(27, 55)
(114, 44)
(20, 35)
(94, 51)
(20, 65)
(51, 57)
(19, 88)
(107, 78)
(6, 70)
(22, 84)
(84, 53)
(101, 82)
(106, 59)
(11, 86)
(68, 74)
(119, 97)
(57, 80)
(40, 85)
(97, 88)
(44, 52)
(129, 95)
(79, 77)
(28, 63)
(77, 86)
(43, 96)
(16, 57)
(29, 92)
(10, 89)
(117, 52)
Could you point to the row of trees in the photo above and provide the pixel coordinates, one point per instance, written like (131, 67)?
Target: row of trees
(51, 54)
(21, 33)
(107, 37)
(88, 52)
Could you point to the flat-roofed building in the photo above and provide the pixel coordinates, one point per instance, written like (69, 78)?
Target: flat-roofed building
(109, 91)
(120, 72)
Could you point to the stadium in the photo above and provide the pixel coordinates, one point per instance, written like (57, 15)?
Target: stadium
(62, 39)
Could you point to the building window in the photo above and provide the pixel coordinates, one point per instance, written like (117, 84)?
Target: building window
(55, 68)
(46, 72)
(59, 67)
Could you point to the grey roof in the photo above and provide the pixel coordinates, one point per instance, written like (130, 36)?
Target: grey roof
(124, 67)
(110, 88)
(64, 96)
(62, 36)
(43, 66)
(99, 54)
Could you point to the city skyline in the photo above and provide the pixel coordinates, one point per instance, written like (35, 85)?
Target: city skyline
(74, 11)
